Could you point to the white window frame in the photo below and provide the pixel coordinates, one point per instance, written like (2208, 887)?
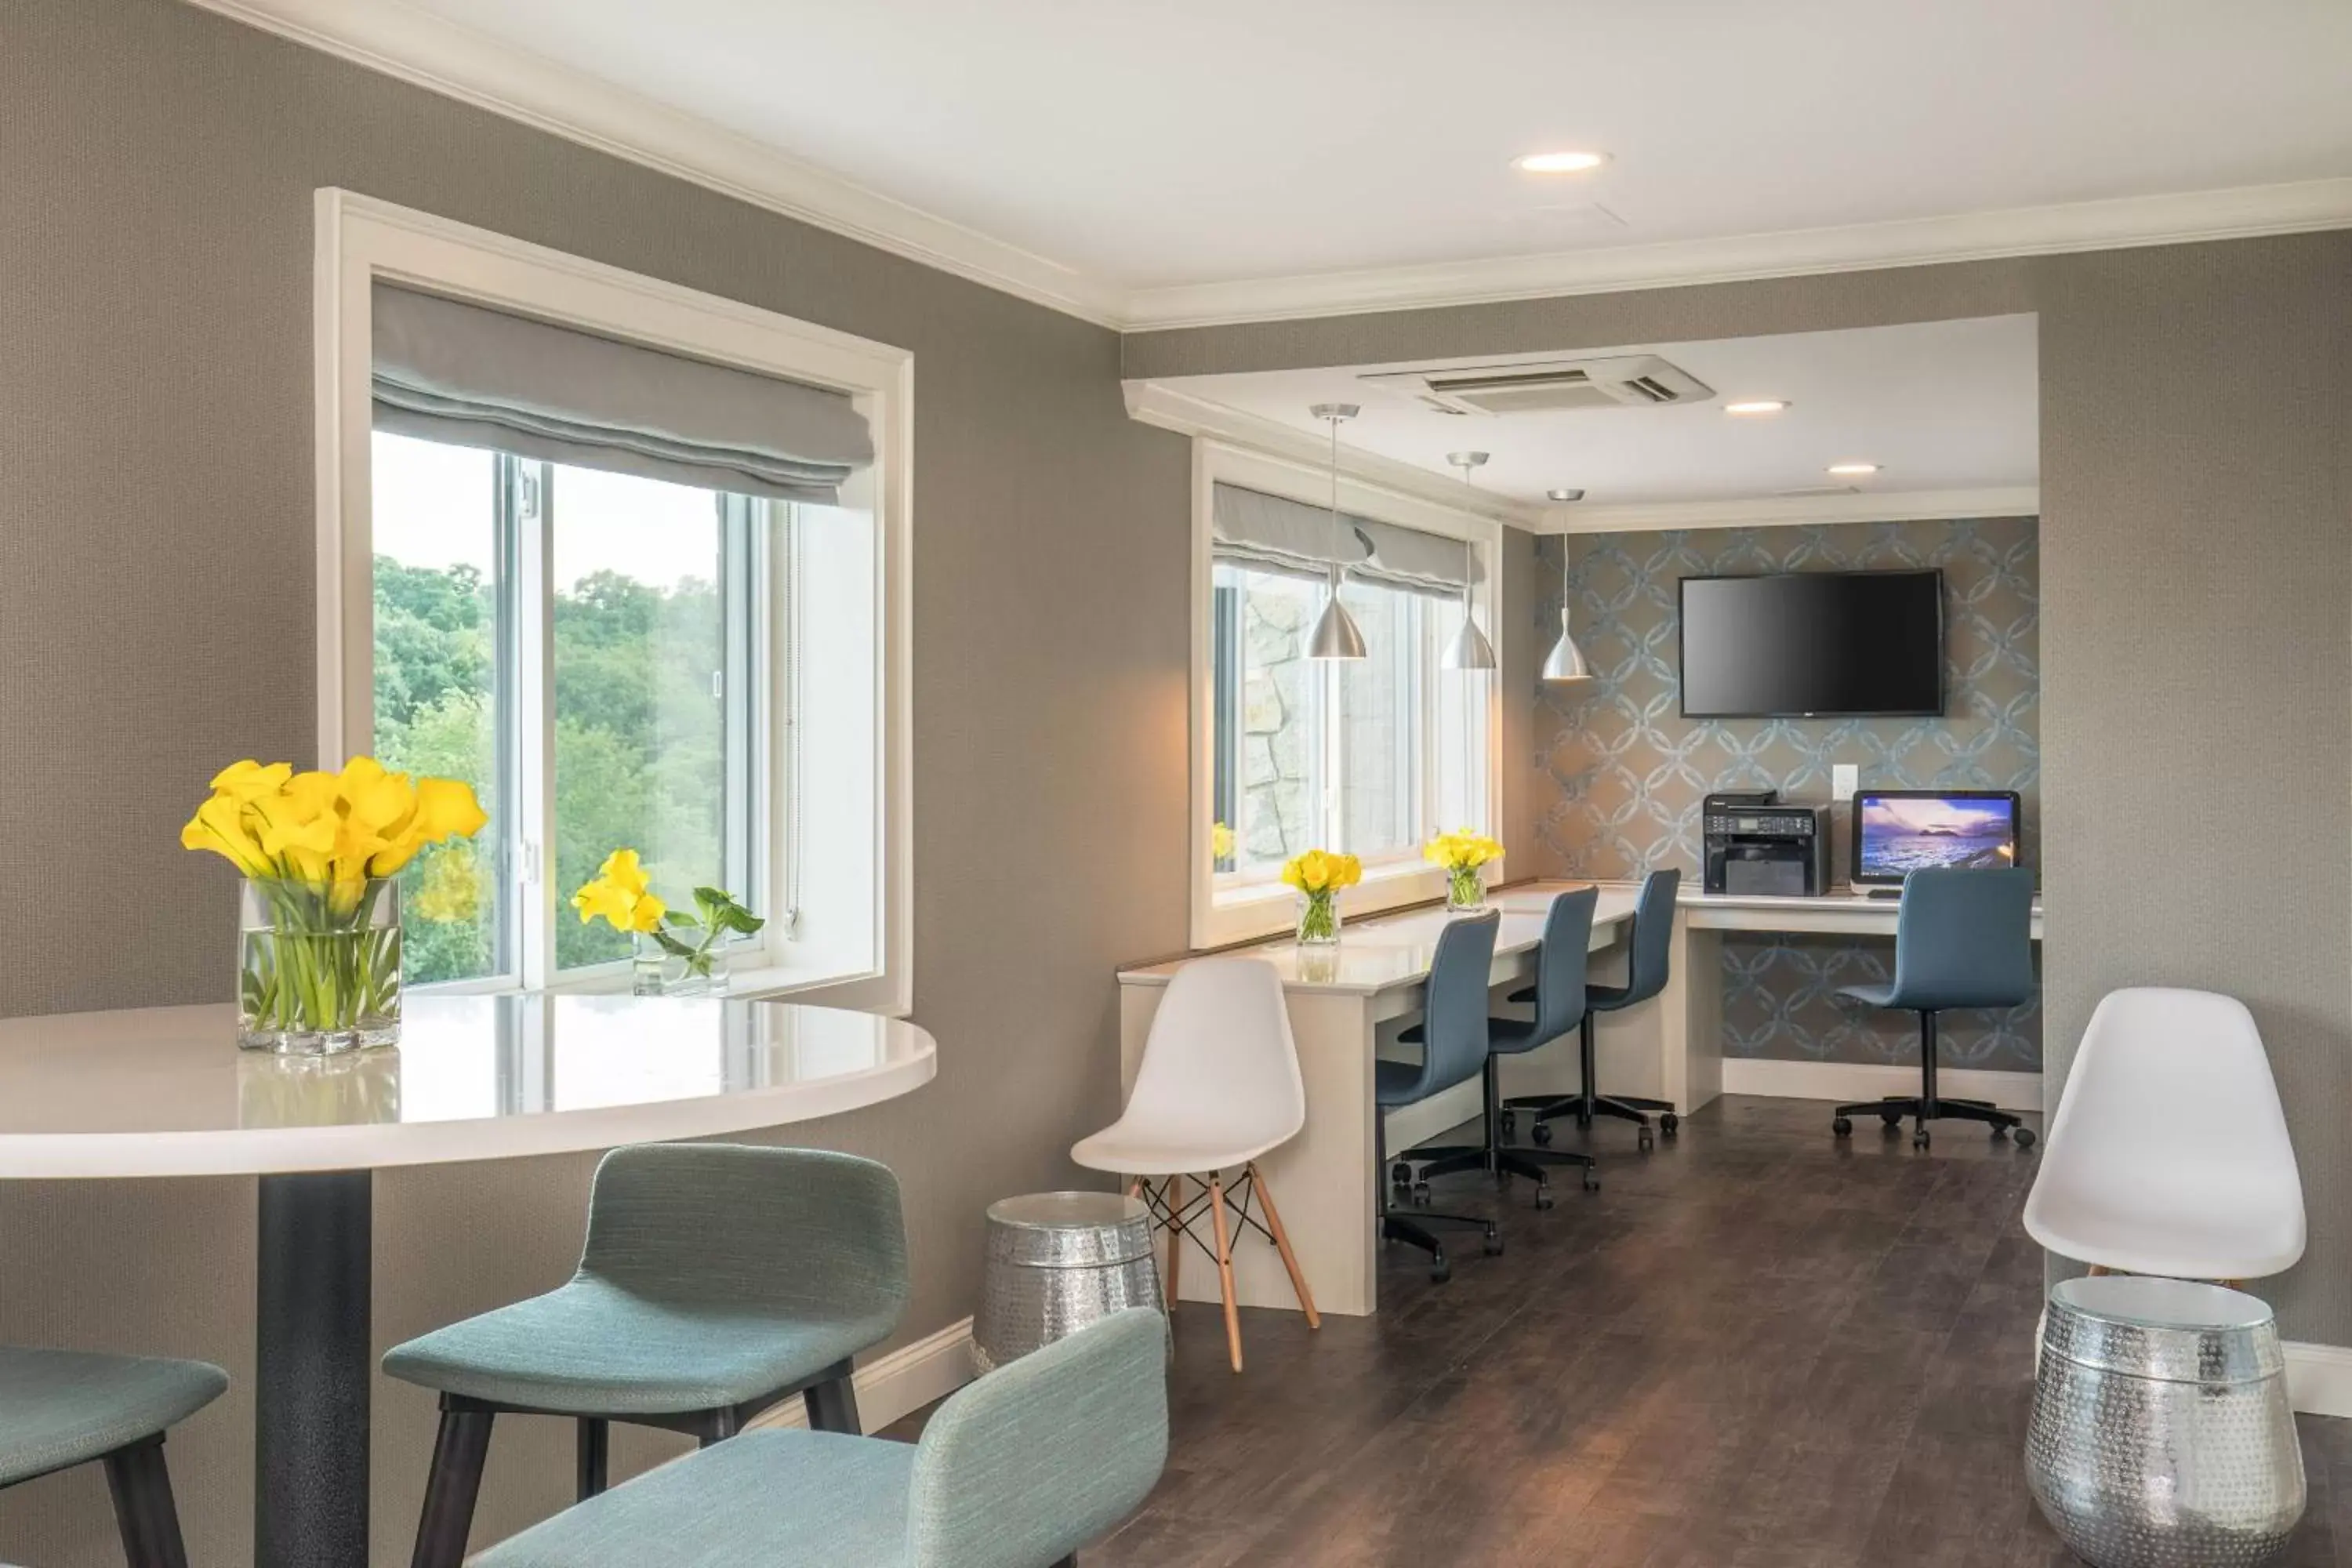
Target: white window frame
(863, 955)
(1236, 909)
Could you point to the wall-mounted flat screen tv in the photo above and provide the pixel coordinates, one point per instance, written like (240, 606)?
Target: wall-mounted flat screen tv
(1813, 645)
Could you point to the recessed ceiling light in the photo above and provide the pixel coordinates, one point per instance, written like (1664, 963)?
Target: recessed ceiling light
(1559, 163)
(1565, 494)
(1756, 406)
(1851, 468)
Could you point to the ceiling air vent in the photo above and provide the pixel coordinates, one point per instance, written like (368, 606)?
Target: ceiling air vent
(1627, 381)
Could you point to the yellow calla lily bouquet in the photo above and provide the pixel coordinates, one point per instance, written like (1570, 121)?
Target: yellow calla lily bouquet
(1319, 875)
(319, 952)
(1463, 852)
(621, 895)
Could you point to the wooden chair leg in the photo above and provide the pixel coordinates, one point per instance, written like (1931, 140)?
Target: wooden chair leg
(459, 1452)
(595, 1447)
(1282, 1244)
(833, 1406)
(143, 1510)
(1225, 1266)
(1175, 1237)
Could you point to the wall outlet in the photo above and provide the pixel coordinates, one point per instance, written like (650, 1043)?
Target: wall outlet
(1842, 780)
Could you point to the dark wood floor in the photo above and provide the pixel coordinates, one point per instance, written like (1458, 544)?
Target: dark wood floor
(1755, 1347)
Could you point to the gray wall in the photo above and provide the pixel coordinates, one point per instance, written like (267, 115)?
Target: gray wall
(2196, 616)
(157, 164)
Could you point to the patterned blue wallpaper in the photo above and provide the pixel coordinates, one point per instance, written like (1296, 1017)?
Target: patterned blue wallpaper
(1622, 773)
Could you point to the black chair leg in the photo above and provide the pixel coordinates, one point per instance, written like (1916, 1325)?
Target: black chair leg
(458, 1453)
(594, 1455)
(143, 1509)
(833, 1406)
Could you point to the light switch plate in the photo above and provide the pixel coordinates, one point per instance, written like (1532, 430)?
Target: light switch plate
(1842, 780)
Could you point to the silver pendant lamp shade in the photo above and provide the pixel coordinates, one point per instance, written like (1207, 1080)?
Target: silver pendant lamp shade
(1566, 660)
(1469, 649)
(1336, 635)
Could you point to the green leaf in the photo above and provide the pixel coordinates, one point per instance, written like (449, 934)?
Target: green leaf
(680, 918)
(672, 946)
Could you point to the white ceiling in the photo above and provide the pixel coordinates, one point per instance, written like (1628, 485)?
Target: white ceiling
(1945, 407)
(1159, 148)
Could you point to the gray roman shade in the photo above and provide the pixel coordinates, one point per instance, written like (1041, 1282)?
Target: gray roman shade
(1287, 535)
(477, 377)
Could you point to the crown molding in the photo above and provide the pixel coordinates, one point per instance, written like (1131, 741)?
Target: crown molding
(1158, 403)
(455, 61)
(1793, 512)
(2123, 223)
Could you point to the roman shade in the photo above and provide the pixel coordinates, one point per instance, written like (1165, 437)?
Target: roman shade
(1282, 535)
(448, 370)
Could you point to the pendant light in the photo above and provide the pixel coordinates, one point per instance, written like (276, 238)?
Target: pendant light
(1566, 660)
(1335, 634)
(1469, 649)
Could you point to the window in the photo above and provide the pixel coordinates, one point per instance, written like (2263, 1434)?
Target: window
(575, 526)
(653, 605)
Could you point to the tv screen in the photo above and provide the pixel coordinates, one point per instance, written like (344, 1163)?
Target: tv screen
(1897, 832)
(1813, 645)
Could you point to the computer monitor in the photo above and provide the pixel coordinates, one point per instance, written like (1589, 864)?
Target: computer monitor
(1898, 831)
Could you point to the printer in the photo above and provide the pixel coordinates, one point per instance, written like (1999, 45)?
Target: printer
(1754, 843)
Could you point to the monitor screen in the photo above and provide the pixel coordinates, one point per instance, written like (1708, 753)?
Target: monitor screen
(1901, 831)
(1813, 644)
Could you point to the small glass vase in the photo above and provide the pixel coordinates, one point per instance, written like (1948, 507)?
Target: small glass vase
(1318, 919)
(1466, 891)
(318, 966)
(653, 971)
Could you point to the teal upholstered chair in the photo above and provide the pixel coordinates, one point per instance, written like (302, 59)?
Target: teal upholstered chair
(717, 1281)
(1454, 1049)
(1017, 1470)
(63, 1408)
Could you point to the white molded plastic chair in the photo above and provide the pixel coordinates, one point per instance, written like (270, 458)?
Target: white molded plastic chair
(1218, 1087)
(2170, 1154)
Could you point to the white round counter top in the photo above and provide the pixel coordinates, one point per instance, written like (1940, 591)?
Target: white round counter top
(165, 1092)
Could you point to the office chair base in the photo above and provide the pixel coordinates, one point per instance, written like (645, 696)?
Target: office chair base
(1447, 1160)
(1892, 1110)
(1412, 1230)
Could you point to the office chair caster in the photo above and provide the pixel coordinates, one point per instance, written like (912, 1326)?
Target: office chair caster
(1493, 1243)
(1420, 1195)
(1440, 1271)
(1591, 1181)
(1919, 1138)
(1509, 1123)
(2025, 1137)
(1543, 1197)
(1670, 1124)
(1400, 1174)
(1842, 1128)
(1643, 1141)
(1542, 1134)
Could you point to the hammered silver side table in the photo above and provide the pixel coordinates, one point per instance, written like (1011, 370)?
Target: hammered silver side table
(1056, 1262)
(2161, 1435)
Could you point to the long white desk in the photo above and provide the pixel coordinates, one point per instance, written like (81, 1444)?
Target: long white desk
(1347, 1007)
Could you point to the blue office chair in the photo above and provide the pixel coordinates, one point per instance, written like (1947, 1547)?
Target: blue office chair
(1646, 976)
(1963, 939)
(1453, 1050)
(1559, 1003)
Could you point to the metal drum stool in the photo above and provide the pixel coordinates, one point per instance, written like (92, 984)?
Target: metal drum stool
(2161, 1435)
(1056, 1262)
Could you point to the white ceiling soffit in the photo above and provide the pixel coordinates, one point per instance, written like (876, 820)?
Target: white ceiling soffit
(461, 62)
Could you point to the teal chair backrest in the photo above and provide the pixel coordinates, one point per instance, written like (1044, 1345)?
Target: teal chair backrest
(1654, 935)
(718, 1226)
(1044, 1454)
(1964, 938)
(1560, 966)
(1453, 1021)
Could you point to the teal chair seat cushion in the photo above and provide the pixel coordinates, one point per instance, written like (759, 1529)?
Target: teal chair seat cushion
(67, 1408)
(763, 1500)
(1870, 995)
(592, 1348)
(1510, 1037)
(1397, 1083)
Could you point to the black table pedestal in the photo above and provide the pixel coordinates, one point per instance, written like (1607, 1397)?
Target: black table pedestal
(311, 1369)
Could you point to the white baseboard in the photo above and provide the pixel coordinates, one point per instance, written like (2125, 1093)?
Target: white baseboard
(1850, 1081)
(898, 1384)
(2319, 1378)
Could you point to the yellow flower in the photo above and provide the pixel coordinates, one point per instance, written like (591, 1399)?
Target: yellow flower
(1461, 850)
(248, 779)
(623, 869)
(603, 898)
(451, 887)
(331, 831)
(647, 915)
(617, 895)
(1220, 842)
(219, 825)
(1320, 871)
(1347, 870)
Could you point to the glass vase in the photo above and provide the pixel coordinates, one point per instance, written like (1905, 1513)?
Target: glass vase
(318, 966)
(1319, 917)
(1466, 891)
(655, 971)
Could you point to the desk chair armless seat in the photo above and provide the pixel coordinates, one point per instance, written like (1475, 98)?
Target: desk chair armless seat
(1963, 938)
(1453, 1050)
(1218, 1088)
(63, 1408)
(716, 1280)
(1646, 976)
(1018, 1470)
(1559, 996)
(2169, 1154)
